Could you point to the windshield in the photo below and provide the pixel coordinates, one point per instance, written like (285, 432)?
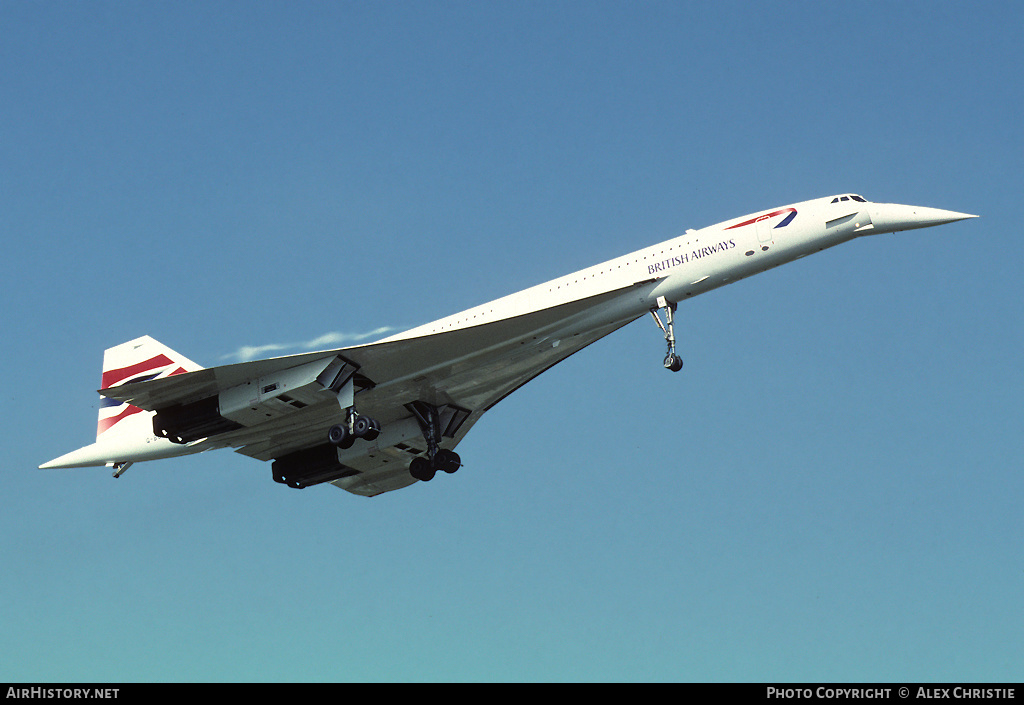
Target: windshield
(848, 197)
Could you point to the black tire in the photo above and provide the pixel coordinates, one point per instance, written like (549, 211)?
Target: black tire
(374, 430)
(337, 435)
(421, 470)
(447, 460)
(363, 427)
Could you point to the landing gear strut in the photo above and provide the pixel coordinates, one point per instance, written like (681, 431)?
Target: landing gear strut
(437, 458)
(672, 360)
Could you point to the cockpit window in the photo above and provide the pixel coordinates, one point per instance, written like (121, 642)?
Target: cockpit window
(849, 197)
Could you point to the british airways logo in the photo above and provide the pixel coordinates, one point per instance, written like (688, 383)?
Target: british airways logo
(767, 216)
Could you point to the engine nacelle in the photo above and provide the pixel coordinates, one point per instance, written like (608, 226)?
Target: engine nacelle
(311, 466)
(184, 423)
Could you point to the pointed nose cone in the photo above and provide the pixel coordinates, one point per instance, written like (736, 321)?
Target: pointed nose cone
(927, 217)
(892, 217)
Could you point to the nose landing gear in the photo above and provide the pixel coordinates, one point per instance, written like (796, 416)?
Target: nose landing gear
(672, 361)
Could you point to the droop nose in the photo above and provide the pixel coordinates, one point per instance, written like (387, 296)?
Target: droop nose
(892, 217)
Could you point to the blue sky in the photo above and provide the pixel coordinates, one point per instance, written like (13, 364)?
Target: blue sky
(830, 490)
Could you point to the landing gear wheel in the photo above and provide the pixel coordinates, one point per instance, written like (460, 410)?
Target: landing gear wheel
(339, 436)
(447, 460)
(673, 362)
(366, 428)
(421, 469)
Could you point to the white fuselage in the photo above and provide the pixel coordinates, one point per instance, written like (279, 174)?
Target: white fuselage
(691, 264)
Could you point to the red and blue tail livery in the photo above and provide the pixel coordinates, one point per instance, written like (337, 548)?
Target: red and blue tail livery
(157, 366)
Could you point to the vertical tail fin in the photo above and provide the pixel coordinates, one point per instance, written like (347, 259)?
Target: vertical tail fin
(137, 360)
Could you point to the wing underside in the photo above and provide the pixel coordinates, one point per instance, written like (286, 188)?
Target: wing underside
(281, 406)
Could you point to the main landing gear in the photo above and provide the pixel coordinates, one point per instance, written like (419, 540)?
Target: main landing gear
(672, 360)
(423, 469)
(438, 458)
(355, 426)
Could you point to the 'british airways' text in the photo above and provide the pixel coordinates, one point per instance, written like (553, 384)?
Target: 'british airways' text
(677, 260)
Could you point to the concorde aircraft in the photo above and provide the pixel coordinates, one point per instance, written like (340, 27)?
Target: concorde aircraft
(379, 417)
